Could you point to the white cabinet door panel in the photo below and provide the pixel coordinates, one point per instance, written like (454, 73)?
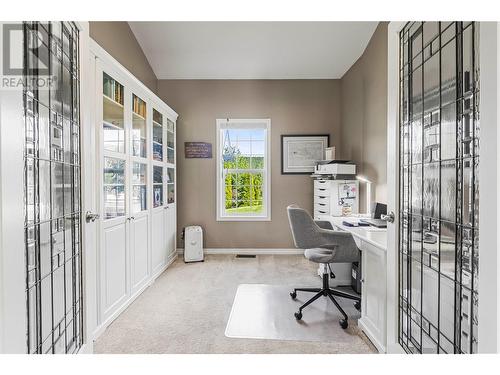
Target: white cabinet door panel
(139, 251)
(158, 240)
(115, 266)
(170, 231)
(373, 299)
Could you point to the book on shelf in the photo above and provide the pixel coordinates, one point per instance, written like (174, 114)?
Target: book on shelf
(157, 117)
(139, 106)
(112, 89)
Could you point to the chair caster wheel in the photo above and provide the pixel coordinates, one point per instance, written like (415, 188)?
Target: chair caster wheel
(298, 315)
(343, 323)
(293, 295)
(357, 305)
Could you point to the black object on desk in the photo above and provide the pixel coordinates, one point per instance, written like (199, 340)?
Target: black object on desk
(378, 209)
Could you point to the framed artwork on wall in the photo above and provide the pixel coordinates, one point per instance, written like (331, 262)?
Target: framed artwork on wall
(299, 153)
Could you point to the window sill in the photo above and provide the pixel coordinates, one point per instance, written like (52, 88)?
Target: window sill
(244, 218)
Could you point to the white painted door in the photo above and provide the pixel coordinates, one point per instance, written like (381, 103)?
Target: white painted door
(158, 217)
(443, 206)
(140, 202)
(113, 173)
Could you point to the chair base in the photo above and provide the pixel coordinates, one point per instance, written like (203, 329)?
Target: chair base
(326, 291)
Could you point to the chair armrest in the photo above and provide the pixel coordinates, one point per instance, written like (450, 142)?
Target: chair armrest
(324, 224)
(341, 242)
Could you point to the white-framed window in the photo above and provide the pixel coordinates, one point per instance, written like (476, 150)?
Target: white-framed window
(243, 170)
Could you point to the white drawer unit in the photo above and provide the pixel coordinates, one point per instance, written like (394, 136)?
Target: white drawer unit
(321, 209)
(331, 195)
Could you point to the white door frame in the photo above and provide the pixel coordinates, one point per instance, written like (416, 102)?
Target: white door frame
(12, 263)
(13, 312)
(488, 188)
(489, 178)
(89, 202)
(393, 184)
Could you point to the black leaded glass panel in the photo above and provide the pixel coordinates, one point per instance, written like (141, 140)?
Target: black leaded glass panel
(439, 200)
(52, 189)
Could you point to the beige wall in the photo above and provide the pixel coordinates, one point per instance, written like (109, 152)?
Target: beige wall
(294, 107)
(364, 114)
(352, 110)
(119, 41)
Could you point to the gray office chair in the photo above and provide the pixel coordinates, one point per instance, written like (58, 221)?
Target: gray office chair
(322, 245)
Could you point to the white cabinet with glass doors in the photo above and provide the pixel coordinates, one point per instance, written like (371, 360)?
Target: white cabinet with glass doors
(163, 193)
(135, 163)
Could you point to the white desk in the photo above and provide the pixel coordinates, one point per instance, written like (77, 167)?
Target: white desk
(373, 244)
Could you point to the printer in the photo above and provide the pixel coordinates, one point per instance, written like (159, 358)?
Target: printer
(335, 168)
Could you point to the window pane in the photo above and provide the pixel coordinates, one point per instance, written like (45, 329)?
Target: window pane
(170, 175)
(243, 148)
(157, 186)
(138, 127)
(114, 188)
(171, 193)
(157, 136)
(244, 192)
(157, 175)
(170, 156)
(243, 155)
(113, 114)
(170, 136)
(157, 195)
(139, 202)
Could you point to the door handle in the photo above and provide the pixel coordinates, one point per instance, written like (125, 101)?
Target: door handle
(91, 217)
(389, 217)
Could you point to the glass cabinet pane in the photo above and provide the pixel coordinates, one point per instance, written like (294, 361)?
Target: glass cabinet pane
(139, 187)
(157, 135)
(170, 185)
(113, 115)
(170, 142)
(138, 127)
(170, 175)
(157, 186)
(114, 187)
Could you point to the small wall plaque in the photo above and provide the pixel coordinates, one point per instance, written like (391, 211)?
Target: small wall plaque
(197, 150)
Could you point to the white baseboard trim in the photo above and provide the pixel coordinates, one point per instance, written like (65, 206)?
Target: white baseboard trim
(366, 328)
(102, 327)
(246, 251)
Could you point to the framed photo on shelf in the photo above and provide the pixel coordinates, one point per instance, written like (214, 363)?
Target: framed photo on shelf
(299, 153)
(158, 196)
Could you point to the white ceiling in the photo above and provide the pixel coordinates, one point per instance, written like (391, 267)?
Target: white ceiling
(252, 50)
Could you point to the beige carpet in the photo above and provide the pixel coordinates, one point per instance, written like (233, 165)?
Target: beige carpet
(187, 308)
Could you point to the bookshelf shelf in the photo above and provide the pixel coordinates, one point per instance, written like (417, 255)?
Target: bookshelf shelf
(138, 116)
(111, 125)
(112, 110)
(112, 101)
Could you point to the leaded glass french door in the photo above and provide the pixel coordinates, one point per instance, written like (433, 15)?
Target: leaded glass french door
(438, 199)
(53, 251)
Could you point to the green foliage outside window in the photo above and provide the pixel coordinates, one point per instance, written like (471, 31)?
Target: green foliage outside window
(243, 191)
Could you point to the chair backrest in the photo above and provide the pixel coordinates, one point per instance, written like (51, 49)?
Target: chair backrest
(302, 226)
